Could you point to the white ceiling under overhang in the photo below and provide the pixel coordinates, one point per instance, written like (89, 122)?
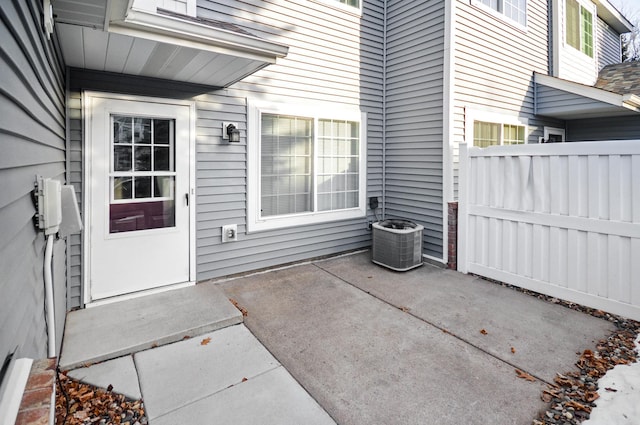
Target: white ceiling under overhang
(115, 37)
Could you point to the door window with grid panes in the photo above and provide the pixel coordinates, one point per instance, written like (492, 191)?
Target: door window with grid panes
(142, 174)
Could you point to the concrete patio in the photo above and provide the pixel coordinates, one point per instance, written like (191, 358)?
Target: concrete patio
(339, 340)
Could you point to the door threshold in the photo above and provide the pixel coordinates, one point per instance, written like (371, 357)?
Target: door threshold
(125, 297)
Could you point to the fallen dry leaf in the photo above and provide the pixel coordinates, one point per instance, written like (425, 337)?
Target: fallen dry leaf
(236, 305)
(513, 350)
(611, 390)
(483, 331)
(525, 375)
(244, 379)
(205, 341)
(405, 309)
(578, 406)
(591, 396)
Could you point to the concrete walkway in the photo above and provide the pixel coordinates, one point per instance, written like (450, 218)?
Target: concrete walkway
(334, 341)
(216, 372)
(426, 346)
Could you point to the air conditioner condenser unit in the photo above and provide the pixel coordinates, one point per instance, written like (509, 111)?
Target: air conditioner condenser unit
(397, 244)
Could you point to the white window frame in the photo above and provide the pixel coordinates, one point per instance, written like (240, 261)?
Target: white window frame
(343, 6)
(594, 27)
(491, 11)
(255, 222)
(555, 131)
(495, 118)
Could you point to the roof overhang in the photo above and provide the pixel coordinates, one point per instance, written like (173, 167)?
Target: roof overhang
(136, 38)
(567, 100)
(613, 17)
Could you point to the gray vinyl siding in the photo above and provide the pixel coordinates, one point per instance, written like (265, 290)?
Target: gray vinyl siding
(555, 102)
(74, 177)
(612, 128)
(414, 116)
(495, 61)
(32, 140)
(608, 45)
(494, 66)
(335, 57)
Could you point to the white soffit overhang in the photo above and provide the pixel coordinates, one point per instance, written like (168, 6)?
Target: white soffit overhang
(137, 39)
(613, 17)
(567, 100)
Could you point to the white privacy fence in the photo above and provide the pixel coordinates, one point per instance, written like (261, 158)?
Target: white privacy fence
(560, 219)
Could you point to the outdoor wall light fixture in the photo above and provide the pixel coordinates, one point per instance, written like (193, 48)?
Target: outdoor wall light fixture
(230, 132)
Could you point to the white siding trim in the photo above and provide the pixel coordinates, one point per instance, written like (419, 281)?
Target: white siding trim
(554, 130)
(256, 223)
(448, 123)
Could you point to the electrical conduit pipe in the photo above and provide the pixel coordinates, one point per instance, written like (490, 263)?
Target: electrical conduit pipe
(48, 295)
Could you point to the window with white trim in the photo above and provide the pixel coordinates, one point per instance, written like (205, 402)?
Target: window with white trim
(579, 27)
(494, 129)
(553, 135)
(515, 10)
(354, 3)
(305, 165)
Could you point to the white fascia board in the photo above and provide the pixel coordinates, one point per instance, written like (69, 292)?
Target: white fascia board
(168, 29)
(631, 101)
(579, 89)
(613, 17)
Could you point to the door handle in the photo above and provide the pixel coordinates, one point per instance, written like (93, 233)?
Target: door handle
(186, 198)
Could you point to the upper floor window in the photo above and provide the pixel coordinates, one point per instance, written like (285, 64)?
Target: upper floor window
(579, 28)
(516, 10)
(354, 3)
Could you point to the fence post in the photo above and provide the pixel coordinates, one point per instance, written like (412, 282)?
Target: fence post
(463, 190)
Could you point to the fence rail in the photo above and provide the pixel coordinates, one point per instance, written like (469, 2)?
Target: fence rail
(560, 219)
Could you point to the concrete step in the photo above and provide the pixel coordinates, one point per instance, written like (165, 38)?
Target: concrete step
(109, 331)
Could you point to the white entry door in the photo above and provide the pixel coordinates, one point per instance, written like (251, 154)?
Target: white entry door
(138, 194)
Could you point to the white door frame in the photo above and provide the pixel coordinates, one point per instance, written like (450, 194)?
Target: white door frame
(87, 116)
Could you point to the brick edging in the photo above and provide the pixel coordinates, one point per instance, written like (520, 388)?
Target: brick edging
(36, 405)
(452, 248)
